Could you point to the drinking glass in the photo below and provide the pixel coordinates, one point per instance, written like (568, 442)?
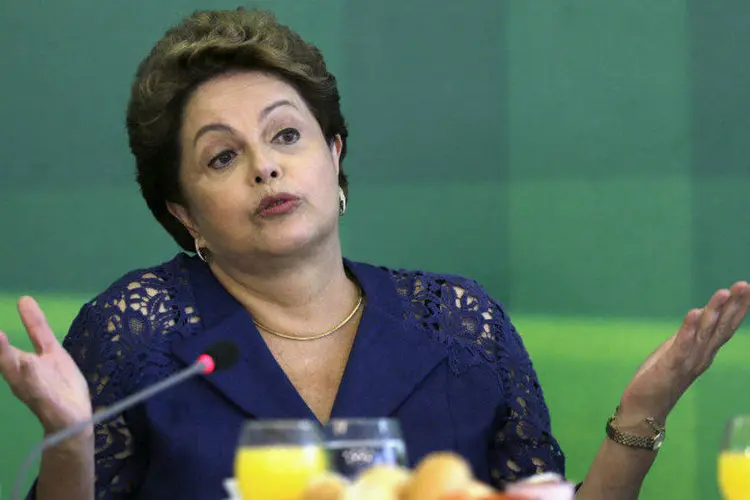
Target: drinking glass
(276, 459)
(734, 460)
(356, 444)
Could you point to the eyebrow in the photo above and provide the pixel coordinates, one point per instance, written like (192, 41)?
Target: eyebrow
(221, 127)
(267, 110)
(212, 127)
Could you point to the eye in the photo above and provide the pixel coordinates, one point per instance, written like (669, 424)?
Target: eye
(287, 136)
(223, 159)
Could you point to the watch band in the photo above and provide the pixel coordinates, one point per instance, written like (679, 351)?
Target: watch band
(634, 440)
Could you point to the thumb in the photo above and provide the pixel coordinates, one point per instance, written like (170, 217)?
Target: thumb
(36, 325)
(8, 358)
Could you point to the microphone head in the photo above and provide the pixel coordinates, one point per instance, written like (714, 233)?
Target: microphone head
(220, 356)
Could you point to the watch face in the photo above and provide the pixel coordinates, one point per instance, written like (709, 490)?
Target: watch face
(659, 440)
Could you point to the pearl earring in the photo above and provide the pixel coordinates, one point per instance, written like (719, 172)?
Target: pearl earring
(342, 202)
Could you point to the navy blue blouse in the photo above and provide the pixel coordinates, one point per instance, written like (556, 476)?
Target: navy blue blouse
(433, 351)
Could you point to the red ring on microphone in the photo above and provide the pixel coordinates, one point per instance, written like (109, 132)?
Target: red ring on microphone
(208, 363)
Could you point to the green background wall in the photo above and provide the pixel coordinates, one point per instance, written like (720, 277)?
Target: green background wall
(586, 161)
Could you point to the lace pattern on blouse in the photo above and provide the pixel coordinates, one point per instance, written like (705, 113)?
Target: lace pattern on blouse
(118, 340)
(476, 330)
(123, 338)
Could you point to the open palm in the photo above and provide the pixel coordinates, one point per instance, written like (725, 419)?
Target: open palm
(48, 381)
(665, 376)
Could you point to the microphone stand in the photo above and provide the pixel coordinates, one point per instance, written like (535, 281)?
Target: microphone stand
(54, 439)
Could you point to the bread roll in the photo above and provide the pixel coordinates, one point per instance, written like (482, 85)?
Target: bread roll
(327, 486)
(478, 490)
(437, 475)
(392, 477)
(372, 491)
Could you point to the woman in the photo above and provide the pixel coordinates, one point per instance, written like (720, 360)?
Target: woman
(239, 140)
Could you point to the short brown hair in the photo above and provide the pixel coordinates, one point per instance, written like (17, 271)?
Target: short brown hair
(203, 46)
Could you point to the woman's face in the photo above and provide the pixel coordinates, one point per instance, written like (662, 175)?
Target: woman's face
(256, 171)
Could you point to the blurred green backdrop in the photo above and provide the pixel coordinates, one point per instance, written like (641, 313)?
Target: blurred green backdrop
(586, 161)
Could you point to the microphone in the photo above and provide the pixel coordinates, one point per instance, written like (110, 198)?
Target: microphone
(219, 356)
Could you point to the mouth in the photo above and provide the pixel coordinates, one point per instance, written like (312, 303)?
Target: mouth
(278, 204)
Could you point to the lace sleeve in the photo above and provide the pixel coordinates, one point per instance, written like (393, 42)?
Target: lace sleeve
(461, 314)
(95, 343)
(523, 444)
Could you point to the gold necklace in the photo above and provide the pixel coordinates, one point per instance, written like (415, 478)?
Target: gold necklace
(314, 337)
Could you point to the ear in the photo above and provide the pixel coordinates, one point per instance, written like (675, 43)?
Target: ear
(181, 214)
(336, 146)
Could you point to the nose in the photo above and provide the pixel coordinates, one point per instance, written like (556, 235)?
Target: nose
(264, 169)
(266, 176)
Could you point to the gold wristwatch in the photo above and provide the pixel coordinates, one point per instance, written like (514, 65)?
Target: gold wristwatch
(652, 443)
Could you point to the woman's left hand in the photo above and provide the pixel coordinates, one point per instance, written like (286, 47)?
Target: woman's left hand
(667, 373)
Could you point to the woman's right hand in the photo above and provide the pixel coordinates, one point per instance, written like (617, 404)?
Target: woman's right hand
(48, 381)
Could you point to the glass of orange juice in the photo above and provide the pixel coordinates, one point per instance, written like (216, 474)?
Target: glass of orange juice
(276, 459)
(734, 460)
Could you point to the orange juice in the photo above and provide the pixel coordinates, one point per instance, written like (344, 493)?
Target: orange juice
(277, 472)
(734, 475)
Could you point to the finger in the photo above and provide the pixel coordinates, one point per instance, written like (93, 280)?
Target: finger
(685, 338)
(8, 357)
(744, 306)
(710, 315)
(724, 331)
(36, 325)
(693, 319)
